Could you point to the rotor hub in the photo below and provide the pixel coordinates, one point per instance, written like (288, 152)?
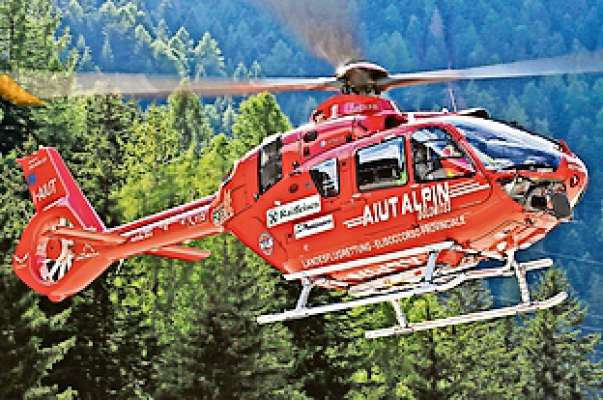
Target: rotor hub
(361, 77)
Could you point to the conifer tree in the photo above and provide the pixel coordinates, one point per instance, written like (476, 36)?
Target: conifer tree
(556, 356)
(96, 367)
(159, 175)
(28, 35)
(186, 117)
(224, 353)
(465, 361)
(30, 349)
(259, 117)
(26, 353)
(483, 354)
(208, 57)
(429, 354)
(28, 40)
(126, 318)
(16, 125)
(220, 352)
(327, 355)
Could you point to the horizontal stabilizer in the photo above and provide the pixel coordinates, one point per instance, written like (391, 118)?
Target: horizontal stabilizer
(189, 254)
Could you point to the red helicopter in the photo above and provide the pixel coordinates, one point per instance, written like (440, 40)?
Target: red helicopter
(365, 198)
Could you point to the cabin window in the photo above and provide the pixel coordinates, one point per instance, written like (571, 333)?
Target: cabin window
(326, 177)
(381, 166)
(437, 156)
(270, 170)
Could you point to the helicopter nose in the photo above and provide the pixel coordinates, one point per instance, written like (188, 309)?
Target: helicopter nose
(577, 180)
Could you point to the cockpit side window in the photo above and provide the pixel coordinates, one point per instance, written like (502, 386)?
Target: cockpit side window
(381, 166)
(326, 177)
(270, 168)
(437, 156)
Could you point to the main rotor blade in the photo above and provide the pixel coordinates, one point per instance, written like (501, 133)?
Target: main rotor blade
(576, 63)
(13, 93)
(47, 85)
(327, 28)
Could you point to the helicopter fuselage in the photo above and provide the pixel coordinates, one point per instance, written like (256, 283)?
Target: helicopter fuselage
(366, 191)
(358, 199)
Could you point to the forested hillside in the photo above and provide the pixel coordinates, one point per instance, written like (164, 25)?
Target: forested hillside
(152, 328)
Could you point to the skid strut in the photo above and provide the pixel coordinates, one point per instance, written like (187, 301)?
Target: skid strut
(429, 285)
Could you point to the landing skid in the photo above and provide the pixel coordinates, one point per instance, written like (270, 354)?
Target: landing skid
(430, 285)
(404, 328)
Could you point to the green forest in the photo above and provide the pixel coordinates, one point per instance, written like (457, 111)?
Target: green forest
(152, 328)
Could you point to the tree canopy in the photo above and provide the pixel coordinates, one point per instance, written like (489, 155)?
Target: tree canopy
(154, 328)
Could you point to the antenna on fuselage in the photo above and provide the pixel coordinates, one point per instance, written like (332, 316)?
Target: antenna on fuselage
(452, 98)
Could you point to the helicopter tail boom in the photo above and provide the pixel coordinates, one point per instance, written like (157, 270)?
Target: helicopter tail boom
(66, 246)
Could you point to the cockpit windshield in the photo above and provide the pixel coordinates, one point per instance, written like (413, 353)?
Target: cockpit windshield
(500, 146)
